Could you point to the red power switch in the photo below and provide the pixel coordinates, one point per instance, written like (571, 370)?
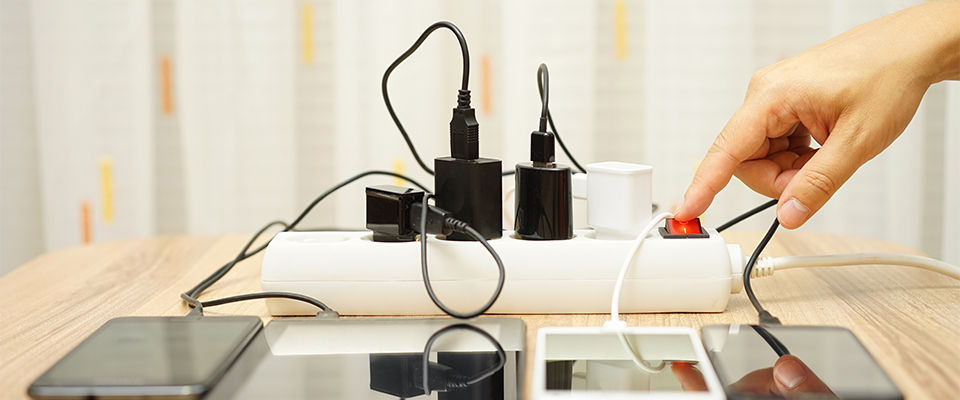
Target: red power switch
(677, 229)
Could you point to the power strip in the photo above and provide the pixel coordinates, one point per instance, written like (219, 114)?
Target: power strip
(357, 276)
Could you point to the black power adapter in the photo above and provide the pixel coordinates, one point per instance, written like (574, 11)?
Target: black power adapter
(467, 185)
(544, 193)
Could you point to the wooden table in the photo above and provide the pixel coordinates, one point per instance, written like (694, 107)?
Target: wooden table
(908, 319)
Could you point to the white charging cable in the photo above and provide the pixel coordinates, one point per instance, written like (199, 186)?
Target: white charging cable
(615, 321)
(767, 265)
(615, 302)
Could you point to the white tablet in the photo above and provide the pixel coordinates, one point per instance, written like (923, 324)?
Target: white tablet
(623, 363)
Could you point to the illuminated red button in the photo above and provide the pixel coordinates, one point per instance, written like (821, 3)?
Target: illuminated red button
(691, 227)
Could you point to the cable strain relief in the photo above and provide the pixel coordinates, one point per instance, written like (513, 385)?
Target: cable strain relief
(763, 268)
(615, 324)
(455, 225)
(768, 319)
(542, 147)
(328, 314)
(457, 381)
(463, 99)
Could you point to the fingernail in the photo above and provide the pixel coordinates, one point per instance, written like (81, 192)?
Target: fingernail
(790, 373)
(793, 213)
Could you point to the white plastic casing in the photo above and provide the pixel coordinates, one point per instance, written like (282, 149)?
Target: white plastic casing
(357, 276)
(618, 198)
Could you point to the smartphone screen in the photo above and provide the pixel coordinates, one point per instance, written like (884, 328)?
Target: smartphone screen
(139, 356)
(632, 362)
(821, 361)
(374, 358)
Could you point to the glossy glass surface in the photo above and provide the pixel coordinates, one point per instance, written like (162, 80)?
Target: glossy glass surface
(379, 359)
(827, 363)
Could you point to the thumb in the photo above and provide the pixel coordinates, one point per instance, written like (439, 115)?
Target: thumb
(819, 178)
(793, 376)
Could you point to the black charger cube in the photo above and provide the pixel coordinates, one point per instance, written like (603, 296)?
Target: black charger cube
(471, 190)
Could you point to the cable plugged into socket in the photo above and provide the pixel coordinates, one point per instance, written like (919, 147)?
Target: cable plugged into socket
(469, 186)
(544, 200)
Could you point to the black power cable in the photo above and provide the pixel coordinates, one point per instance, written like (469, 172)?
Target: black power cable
(191, 295)
(748, 214)
(456, 226)
(543, 85)
(764, 315)
(464, 382)
(772, 341)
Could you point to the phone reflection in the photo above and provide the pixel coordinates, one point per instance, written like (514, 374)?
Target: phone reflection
(620, 362)
(381, 359)
(455, 375)
(755, 362)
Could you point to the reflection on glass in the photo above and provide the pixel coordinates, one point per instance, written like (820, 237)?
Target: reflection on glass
(366, 359)
(472, 375)
(622, 363)
(794, 362)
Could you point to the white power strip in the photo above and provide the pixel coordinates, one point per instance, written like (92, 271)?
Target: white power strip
(357, 276)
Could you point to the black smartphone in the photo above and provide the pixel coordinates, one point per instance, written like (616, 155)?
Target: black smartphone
(178, 357)
(377, 359)
(809, 362)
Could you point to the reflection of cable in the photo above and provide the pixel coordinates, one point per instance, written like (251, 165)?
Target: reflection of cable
(637, 358)
(615, 302)
(771, 340)
(502, 355)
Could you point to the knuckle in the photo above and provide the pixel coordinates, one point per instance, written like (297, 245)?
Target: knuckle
(820, 181)
(761, 79)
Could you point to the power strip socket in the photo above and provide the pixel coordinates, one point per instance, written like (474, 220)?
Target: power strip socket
(357, 276)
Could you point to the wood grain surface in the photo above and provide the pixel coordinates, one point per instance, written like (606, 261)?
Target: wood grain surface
(908, 319)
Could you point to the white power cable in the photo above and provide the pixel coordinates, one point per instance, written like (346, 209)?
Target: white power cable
(637, 358)
(615, 302)
(766, 265)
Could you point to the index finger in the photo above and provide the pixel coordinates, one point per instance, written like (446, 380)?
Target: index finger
(743, 135)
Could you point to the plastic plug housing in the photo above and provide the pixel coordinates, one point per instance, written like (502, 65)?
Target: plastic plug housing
(544, 201)
(471, 191)
(388, 210)
(467, 186)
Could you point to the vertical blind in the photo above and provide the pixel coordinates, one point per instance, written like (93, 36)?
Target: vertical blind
(123, 119)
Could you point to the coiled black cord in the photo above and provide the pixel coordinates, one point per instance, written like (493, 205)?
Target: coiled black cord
(543, 84)
(462, 227)
(461, 381)
(190, 296)
(386, 76)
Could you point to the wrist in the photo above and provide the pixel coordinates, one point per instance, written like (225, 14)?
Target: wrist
(942, 60)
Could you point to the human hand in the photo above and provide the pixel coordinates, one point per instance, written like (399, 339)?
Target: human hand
(788, 377)
(853, 94)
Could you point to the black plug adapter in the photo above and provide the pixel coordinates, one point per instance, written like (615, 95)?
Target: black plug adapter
(544, 189)
(544, 196)
(468, 186)
(394, 214)
(388, 210)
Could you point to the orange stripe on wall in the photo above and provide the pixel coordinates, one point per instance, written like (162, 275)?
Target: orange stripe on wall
(620, 29)
(486, 93)
(306, 33)
(166, 85)
(85, 228)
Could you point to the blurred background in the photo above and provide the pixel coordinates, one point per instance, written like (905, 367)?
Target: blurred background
(125, 119)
